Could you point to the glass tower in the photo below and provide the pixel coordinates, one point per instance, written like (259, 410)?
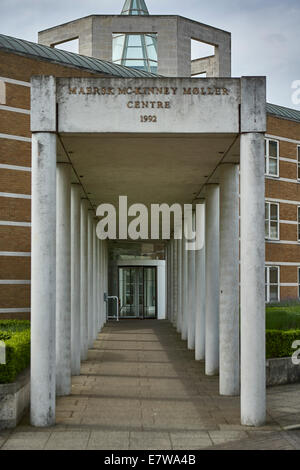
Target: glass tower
(135, 50)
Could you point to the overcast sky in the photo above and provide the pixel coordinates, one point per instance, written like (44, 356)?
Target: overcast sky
(265, 33)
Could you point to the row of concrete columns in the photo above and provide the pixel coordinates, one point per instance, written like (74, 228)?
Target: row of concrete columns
(69, 279)
(204, 298)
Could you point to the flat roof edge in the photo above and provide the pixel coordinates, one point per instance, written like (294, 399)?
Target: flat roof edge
(127, 16)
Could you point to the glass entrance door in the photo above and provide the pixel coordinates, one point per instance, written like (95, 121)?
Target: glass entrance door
(138, 292)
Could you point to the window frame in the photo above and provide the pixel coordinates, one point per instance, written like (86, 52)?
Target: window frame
(298, 224)
(267, 158)
(268, 284)
(298, 162)
(269, 203)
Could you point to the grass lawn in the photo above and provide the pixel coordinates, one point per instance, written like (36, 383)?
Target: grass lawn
(280, 317)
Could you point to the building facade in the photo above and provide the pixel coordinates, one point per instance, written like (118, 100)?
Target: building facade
(89, 131)
(282, 204)
(20, 60)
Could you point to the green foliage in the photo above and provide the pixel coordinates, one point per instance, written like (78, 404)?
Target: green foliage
(16, 335)
(4, 336)
(12, 326)
(279, 342)
(283, 317)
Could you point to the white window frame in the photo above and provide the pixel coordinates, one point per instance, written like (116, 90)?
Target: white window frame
(298, 223)
(267, 159)
(269, 204)
(267, 284)
(298, 162)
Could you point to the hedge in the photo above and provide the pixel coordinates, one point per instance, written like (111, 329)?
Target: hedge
(16, 335)
(279, 342)
(11, 326)
(17, 350)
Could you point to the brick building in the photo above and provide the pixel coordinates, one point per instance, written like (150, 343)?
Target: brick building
(282, 203)
(19, 60)
(91, 144)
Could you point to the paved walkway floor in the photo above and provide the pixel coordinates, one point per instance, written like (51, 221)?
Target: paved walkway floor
(141, 389)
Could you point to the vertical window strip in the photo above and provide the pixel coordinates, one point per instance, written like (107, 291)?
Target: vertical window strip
(272, 280)
(272, 221)
(271, 157)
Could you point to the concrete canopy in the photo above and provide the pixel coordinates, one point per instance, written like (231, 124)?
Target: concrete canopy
(148, 169)
(114, 152)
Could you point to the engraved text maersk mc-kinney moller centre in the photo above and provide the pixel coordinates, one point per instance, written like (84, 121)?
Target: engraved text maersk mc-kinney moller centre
(149, 97)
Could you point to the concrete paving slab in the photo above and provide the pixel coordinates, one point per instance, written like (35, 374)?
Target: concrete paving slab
(68, 440)
(187, 440)
(3, 437)
(108, 440)
(150, 441)
(27, 441)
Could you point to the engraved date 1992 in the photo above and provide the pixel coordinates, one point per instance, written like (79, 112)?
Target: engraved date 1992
(149, 118)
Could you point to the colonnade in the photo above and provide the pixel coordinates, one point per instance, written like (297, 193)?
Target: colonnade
(216, 294)
(69, 279)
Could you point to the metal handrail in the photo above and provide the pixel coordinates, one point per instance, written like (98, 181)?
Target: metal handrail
(114, 297)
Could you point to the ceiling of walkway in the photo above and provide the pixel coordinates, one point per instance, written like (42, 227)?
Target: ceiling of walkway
(148, 169)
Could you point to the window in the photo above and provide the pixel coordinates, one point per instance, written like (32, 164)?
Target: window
(272, 284)
(136, 50)
(298, 230)
(298, 150)
(272, 221)
(271, 157)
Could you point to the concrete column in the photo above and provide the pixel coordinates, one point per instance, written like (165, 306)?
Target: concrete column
(174, 274)
(95, 283)
(191, 295)
(102, 283)
(171, 281)
(253, 356)
(90, 280)
(43, 272)
(184, 297)
(63, 280)
(200, 295)
(212, 280)
(105, 266)
(106, 273)
(84, 279)
(98, 288)
(179, 285)
(75, 279)
(229, 280)
(166, 281)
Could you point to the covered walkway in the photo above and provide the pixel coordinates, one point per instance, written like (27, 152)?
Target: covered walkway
(140, 388)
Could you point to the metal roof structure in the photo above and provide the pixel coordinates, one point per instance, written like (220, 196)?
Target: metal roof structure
(284, 113)
(135, 7)
(71, 59)
(136, 50)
